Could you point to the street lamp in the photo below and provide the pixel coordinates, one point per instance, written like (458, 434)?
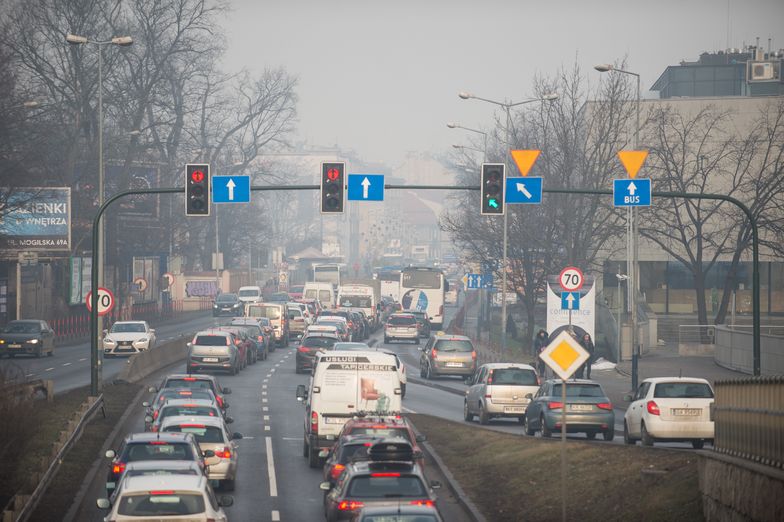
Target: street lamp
(123, 41)
(631, 232)
(507, 106)
(453, 125)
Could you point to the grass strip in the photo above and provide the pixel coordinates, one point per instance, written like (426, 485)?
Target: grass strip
(512, 478)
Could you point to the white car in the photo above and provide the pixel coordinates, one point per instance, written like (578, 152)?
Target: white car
(145, 497)
(670, 409)
(128, 338)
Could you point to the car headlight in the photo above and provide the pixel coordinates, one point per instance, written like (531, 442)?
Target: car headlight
(236, 305)
(33, 341)
(2, 341)
(109, 341)
(142, 340)
(215, 306)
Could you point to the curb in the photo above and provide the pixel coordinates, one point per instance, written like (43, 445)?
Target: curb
(460, 494)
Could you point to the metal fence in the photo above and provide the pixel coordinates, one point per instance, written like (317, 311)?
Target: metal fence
(749, 419)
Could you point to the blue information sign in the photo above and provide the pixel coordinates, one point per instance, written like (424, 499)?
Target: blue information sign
(570, 300)
(523, 190)
(230, 189)
(366, 187)
(632, 192)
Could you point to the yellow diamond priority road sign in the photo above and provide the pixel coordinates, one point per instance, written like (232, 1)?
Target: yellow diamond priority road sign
(564, 355)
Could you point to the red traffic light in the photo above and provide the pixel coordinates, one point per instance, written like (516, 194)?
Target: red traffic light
(197, 176)
(333, 174)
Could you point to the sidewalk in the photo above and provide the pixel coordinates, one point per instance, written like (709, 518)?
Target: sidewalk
(665, 362)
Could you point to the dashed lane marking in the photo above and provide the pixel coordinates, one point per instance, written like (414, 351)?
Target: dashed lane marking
(266, 428)
(29, 375)
(264, 399)
(83, 359)
(275, 516)
(266, 417)
(265, 408)
(49, 369)
(66, 364)
(271, 468)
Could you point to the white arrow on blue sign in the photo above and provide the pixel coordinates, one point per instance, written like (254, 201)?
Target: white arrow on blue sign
(570, 300)
(366, 187)
(473, 281)
(632, 192)
(230, 189)
(523, 190)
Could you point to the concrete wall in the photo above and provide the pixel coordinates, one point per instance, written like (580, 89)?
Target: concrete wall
(141, 365)
(733, 350)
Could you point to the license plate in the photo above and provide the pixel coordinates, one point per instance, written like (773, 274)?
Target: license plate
(514, 409)
(335, 420)
(686, 411)
(14, 345)
(210, 359)
(580, 407)
(454, 365)
(110, 485)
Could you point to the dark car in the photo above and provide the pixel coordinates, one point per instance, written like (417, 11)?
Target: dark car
(247, 345)
(363, 324)
(345, 314)
(227, 304)
(195, 381)
(423, 323)
(257, 333)
(27, 337)
(309, 347)
(269, 332)
(346, 450)
(153, 446)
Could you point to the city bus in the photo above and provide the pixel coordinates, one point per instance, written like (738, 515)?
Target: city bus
(329, 273)
(423, 289)
(390, 281)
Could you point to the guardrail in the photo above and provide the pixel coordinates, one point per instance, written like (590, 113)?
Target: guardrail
(749, 419)
(21, 506)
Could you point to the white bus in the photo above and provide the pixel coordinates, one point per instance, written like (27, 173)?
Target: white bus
(423, 289)
(329, 273)
(390, 282)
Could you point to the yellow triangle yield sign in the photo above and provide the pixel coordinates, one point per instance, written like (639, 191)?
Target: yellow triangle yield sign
(632, 160)
(525, 159)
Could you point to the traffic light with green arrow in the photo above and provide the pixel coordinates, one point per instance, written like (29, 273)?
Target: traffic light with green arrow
(493, 182)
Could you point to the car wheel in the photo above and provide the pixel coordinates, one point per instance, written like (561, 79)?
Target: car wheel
(528, 429)
(50, 352)
(402, 390)
(627, 439)
(227, 485)
(484, 418)
(647, 440)
(608, 434)
(429, 373)
(304, 448)
(313, 457)
(521, 419)
(422, 372)
(545, 430)
(39, 352)
(590, 435)
(697, 444)
(467, 415)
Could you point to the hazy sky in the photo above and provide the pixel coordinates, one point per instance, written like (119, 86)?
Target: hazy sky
(382, 77)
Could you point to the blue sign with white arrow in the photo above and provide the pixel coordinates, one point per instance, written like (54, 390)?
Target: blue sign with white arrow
(524, 190)
(366, 187)
(570, 300)
(632, 192)
(473, 281)
(230, 189)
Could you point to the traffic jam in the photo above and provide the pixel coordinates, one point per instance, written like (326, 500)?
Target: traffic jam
(355, 430)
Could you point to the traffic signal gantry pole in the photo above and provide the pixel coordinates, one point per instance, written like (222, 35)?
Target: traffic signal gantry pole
(95, 354)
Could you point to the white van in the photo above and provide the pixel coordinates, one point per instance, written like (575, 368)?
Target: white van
(324, 292)
(249, 294)
(344, 385)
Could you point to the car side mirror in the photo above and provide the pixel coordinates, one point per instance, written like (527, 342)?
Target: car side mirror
(229, 420)
(236, 436)
(301, 392)
(152, 389)
(103, 503)
(324, 453)
(529, 396)
(148, 419)
(226, 391)
(435, 484)
(189, 345)
(325, 486)
(208, 454)
(421, 438)
(104, 334)
(110, 454)
(226, 501)
(146, 404)
(469, 380)
(627, 397)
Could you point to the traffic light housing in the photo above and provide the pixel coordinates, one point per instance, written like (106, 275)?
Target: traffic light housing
(197, 190)
(493, 184)
(333, 194)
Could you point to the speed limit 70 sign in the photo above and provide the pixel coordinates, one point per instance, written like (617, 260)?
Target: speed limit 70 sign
(571, 279)
(105, 301)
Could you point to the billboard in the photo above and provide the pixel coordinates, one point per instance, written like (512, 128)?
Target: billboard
(35, 218)
(583, 320)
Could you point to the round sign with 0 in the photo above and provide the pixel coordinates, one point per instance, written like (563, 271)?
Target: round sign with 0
(105, 301)
(571, 279)
(169, 278)
(141, 284)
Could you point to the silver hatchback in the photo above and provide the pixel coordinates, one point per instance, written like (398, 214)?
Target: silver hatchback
(499, 390)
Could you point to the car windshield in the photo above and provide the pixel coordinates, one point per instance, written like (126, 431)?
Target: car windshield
(401, 320)
(156, 472)
(514, 377)
(386, 431)
(189, 382)
(270, 312)
(324, 296)
(23, 327)
(454, 346)
(252, 330)
(353, 451)
(319, 342)
(226, 298)
(191, 411)
(355, 301)
(682, 390)
(578, 390)
(390, 485)
(127, 327)
(208, 434)
(211, 340)
(420, 316)
(160, 503)
(157, 450)
(337, 324)
(249, 293)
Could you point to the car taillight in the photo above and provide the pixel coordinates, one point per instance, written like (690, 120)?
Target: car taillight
(605, 405)
(433, 353)
(336, 470)
(259, 338)
(118, 468)
(162, 492)
(314, 423)
(473, 355)
(225, 454)
(350, 324)
(237, 342)
(384, 475)
(490, 378)
(555, 405)
(155, 414)
(220, 400)
(303, 349)
(653, 408)
(350, 505)
(428, 503)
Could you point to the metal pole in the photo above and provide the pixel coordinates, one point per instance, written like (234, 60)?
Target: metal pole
(98, 366)
(618, 297)
(634, 275)
(18, 290)
(217, 253)
(506, 240)
(563, 450)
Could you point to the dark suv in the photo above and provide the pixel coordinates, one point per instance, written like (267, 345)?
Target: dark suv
(227, 304)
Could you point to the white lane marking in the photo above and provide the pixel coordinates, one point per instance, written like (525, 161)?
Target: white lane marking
(275, 516)
(264, 392)
(272, 371)
(277, 365)
(266, 417)
(66, 364)
(408, 410)
(264, 399)
(291, 438)
(265, 380)
(266, 428)
(269, 375)
(83, 359)
(29, 375)
(265, 408)
(264, 386)
(49, 369)
(271, 468)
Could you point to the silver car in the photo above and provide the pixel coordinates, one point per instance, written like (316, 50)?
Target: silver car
(499, 390)
(401, 327)
(211, 434)
(213, 350)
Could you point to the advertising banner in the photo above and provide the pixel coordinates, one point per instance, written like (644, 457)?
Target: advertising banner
(80, 279)
(583, 320)
(35, 218)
